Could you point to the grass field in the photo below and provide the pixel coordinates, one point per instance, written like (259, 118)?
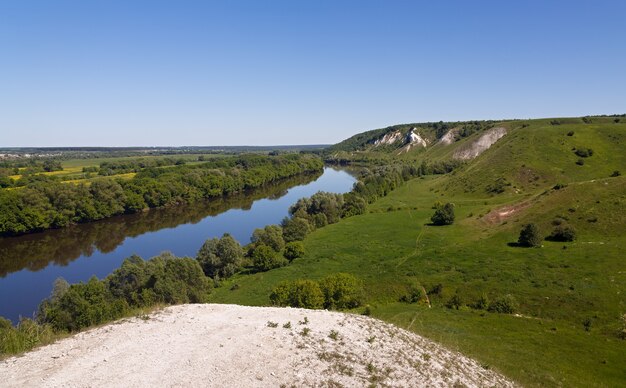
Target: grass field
(73, 168)
(571, 295)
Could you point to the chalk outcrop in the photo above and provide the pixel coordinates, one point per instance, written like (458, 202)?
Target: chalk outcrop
(227, 345)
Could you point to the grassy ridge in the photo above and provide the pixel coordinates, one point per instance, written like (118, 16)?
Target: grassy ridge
(571, 295)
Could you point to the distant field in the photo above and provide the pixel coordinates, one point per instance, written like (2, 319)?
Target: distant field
(73, 168)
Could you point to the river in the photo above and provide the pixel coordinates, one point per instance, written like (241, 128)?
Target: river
(30, 264)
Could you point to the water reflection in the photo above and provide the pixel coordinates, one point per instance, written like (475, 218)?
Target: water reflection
(61, 246)
(29, 264)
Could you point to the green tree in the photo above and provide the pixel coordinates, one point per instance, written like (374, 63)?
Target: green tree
(295, 229)
(293, 250)
(265, 258)
(444, 215)
(341, 291)
(220, 257)
(271, 235)
(529, 236)
(298, 293)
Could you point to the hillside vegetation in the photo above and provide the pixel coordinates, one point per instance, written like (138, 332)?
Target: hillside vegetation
(547, 316)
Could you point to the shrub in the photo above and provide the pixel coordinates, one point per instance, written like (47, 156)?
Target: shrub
(504, 305)
(455, 302)
(555, 122)
(444, 215)
(341, 291)
(563, 233)
(298, 293)
(570, 133)
(293, 250)
(529, 236)
(580, 162)
(482, 303)
(584, 152)
(414, 293)
(615, 173)
(265, 258)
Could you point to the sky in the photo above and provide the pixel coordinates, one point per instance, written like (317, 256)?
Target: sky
(171, 73)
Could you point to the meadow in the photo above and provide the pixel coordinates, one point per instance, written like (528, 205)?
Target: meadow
(570, 295)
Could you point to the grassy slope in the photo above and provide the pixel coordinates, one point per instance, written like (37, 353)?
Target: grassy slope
(557, 288)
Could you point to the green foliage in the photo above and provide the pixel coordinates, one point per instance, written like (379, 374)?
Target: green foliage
(298, 293)
(265, 258)
(584, 152)
(415, 293)
(295, 229)
(25, 336)
(52, 165)
(220, 257)
(137, 283)
(506, 304)
(341, 291)
(444, 215)
(455, 302)
(530, 236)
(563, 233)
(293, 250)
(43, 202)
(271, 235)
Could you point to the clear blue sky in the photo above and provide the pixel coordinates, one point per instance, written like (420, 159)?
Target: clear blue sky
(120, 73)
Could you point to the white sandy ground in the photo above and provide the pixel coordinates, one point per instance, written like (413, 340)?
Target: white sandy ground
(235, 346)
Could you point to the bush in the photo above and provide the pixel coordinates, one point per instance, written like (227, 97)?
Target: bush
(584, 152)
(563, 233)
(529, 236)
(341, 291)
(482, 303)
(444, 215)
(265, 258)
(298, 293)
(293, 250)
(615, 174)
(580, 162)
(504, 305)
(414, 293)
(455, 302)
(570, 133)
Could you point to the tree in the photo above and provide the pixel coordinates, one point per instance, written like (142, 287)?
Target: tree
(265, 258)
(298, 293)
(271, 235)
(295, 229)
(341, 291)
(293, 250)
(529, 236)
(220, 257)
(444, 215)
(52, 165)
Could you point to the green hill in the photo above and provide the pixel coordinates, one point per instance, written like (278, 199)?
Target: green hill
(566, 330)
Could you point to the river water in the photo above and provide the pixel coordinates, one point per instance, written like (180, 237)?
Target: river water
(30, 264)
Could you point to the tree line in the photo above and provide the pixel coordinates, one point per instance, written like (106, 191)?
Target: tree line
(44, 204)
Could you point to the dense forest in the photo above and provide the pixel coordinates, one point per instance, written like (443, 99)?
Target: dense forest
(45, 203)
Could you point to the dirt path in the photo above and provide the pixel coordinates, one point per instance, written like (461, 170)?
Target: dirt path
(228, 345)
